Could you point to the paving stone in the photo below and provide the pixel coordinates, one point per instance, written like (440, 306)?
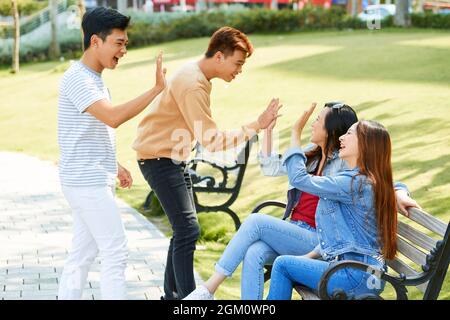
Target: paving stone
(10, 295)
(21, 287)
(41, 281)
(48, 286)
(39, 295)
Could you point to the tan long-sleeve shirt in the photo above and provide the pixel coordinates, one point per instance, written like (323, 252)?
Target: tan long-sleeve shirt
(180, 115)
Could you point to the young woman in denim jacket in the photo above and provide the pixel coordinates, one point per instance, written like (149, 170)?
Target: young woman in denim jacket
(356, 216)
(261, 238)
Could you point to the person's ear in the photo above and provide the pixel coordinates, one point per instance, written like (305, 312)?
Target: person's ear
(94, 41)
(219, 57)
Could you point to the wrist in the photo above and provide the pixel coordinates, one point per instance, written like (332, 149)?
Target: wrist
(254, 127)
(258, 125)
(295, 141)
(297, 134)
(157, 89)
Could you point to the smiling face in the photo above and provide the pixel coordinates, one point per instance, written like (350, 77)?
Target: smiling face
(319, 133)
(114, 47)
(228, 67)
(349, 150)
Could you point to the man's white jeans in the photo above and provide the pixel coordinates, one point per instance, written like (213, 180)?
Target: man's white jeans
(97, 228)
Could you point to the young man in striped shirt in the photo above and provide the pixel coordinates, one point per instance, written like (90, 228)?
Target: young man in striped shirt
(88, 167)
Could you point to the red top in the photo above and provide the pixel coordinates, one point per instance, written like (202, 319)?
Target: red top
(306, 209)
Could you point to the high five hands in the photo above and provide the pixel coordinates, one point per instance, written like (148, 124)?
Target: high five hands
(160, 75)
(299, 125)
(269, 115)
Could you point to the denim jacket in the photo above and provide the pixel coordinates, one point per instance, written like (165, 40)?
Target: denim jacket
(345, 216)
(273, 166)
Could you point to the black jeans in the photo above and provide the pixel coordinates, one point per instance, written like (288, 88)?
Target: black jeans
(173, 187)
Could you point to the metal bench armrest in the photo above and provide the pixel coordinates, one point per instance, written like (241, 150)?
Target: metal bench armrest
(340, 294)
(268, 203)
(211, 183)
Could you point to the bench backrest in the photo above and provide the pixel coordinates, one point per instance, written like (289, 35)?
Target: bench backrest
(234, 161)
(423, 242)
(229, 157)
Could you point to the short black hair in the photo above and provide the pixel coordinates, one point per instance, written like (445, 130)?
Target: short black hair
(101, 21)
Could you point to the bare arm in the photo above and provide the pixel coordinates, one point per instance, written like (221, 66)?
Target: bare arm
(114, 116)
(207, 133)
(268, 139)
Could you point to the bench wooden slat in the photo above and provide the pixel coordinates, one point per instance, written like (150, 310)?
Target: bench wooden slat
(411, 252)
(428, 221)
(306, 293)
(401, 267)
(415, 236)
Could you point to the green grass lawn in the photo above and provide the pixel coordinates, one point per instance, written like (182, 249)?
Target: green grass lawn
(400, 78)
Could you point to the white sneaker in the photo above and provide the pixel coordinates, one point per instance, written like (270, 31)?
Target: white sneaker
(201, 293)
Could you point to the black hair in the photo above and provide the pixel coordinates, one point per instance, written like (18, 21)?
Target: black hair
(101, 21)
(337, 122)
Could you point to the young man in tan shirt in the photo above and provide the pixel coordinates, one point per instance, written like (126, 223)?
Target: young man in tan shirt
(177, 118)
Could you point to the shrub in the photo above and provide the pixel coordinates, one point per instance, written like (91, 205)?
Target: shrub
(430, 20)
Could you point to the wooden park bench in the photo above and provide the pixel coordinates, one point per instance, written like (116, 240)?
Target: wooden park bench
(417, 250)
(224, 173)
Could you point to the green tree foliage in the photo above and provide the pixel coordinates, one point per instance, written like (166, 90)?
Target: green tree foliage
(26, 7)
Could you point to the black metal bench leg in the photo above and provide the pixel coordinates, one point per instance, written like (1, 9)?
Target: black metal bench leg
(148, 200)
(435, 284)
(234, 216)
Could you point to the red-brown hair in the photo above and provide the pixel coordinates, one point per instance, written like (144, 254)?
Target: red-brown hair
(227, 40)
(374, 162)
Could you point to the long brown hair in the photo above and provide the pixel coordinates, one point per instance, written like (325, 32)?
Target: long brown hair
(374, 162)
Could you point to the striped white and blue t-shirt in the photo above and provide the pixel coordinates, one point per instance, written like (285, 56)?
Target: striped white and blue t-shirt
(87, 145)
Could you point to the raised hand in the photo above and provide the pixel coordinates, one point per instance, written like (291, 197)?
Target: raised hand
(270, 114)
(161, 82)
(300, 125)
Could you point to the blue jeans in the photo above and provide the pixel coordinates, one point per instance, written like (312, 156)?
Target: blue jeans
(288, 270)
(259, 240)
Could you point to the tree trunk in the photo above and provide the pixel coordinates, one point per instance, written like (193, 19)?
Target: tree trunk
(200, 5)
(402, 17)
(274, 5)
(16, 48)
(122, 5)
(55, 51)
(183, 5)
(82, 8)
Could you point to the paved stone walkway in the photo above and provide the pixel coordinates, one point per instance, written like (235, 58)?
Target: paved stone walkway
(35, 235)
